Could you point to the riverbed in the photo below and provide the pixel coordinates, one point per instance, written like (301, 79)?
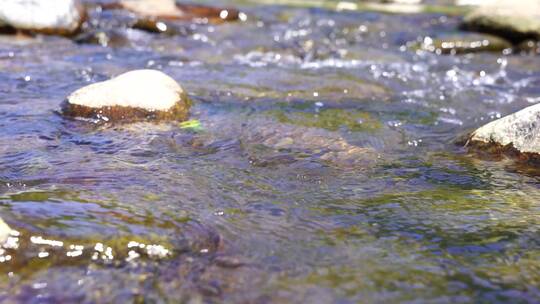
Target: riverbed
(319, 165)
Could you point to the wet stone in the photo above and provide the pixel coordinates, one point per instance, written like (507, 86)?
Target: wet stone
(463, 43)
(154, 8)
(209, 288)
(59, 17)
(326, 145)
(157, 26)
(213, 14)
(4, 231)
(529, 47)
(153, 14)
(517, 134)
(513, 20)
(226, 261)
(132, 96)
(105, 38)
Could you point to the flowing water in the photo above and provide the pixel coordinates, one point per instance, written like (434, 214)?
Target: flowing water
(319, 166)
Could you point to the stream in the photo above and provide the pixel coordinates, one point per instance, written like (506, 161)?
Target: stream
(319, 165)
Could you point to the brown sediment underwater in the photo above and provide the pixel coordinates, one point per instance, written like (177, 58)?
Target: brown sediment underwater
(496, 151)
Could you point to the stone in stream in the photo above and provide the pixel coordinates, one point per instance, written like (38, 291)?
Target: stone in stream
(529, 47)
(5, 231)
(463, 43)
(59, 17)
(135, 95)
(321, 144)
(517, 134)
(155, 15)
(106, 38)
(514, 20)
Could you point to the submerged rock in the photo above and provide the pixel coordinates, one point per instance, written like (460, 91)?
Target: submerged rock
(300, 142)
(62, 17)
(4, 231)
(153, 8)
(135, 95)
(463, 43)
(529, 46)
(157, 26)
(513, 20)
(106, 38)
(516, 134)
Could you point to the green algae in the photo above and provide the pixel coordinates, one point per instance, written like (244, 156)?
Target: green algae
(107, 206)
(423, 231)
(42, 196)
(417, 117)
(331, 119)
(192, 125)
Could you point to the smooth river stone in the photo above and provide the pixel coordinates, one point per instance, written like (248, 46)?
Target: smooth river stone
(160, 15)
(61, 17)
(154, 8)
(170, 10)
(518, 132)
(463, 43)
(514, 20)
(4, 231)
(132, 96)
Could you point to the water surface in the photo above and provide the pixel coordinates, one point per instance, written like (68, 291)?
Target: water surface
(320, 166)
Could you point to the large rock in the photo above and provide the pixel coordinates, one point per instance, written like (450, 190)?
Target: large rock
(135, 95)
(518, 132)
(63, 17)
(513, 20)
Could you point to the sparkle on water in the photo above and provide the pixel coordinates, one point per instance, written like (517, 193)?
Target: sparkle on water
(318, 166)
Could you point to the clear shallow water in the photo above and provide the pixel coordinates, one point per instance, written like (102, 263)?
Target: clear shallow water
(323, 169)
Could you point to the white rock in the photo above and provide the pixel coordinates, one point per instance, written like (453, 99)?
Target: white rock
(514, 20)
(153, 7)
(62, 16)
(4, 231)
(133, 96)
(167, 10)
(521, 129)
(145, 89)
